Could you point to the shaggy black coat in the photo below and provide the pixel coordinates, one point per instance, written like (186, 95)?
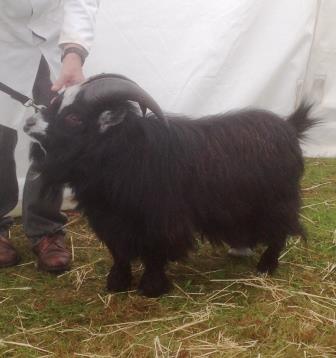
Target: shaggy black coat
(148, 188)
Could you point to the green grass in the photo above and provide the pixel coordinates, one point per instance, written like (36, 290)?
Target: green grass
(218, 307)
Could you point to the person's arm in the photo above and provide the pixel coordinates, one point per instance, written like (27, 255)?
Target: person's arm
(77, 31)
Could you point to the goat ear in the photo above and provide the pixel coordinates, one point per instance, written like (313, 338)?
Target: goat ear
(110, 118)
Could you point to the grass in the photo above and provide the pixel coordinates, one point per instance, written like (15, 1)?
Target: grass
(218, 307)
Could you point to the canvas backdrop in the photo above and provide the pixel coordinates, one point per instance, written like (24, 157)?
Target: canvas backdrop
(201, 57)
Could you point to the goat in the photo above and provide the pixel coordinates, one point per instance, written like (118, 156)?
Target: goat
(149, 183)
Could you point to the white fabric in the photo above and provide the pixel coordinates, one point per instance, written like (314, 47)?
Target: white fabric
(29, 28)
(200, 57)
(79, 22)
(320, 81)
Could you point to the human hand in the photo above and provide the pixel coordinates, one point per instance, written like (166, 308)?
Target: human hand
(71, 72)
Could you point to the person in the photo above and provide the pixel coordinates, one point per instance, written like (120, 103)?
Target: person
(40, 40)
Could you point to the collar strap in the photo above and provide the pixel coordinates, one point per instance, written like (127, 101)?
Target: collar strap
(23, 99)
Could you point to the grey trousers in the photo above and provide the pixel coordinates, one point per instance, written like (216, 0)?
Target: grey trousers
(40, 214)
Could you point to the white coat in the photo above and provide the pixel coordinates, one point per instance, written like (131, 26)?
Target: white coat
(31, 28)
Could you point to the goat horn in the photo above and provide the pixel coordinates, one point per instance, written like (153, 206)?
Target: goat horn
(112, 87)
(108, 75)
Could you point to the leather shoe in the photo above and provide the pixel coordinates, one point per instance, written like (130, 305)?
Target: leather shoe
(8, 255)
(52, 254)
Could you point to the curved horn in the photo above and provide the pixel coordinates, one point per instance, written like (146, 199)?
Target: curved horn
(107, 75)
(111, 87)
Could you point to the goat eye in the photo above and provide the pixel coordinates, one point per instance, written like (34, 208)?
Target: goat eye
(72, 120)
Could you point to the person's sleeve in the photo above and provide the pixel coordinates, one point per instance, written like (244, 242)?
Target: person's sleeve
(79, 22)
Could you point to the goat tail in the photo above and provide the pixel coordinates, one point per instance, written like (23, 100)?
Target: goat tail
(301, 121)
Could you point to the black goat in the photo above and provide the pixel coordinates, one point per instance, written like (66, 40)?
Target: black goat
(148, 184)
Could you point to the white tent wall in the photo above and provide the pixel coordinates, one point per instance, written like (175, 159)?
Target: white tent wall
(201, 57)
(320, 81)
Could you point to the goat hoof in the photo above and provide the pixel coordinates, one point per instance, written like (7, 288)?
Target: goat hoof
(267, 266)
(119, 281)
(154, 285)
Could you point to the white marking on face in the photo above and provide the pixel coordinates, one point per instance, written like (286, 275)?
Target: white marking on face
(39, 127)
(69, 96)
(36, 128)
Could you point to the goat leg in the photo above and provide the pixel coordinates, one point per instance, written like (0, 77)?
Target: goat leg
(270, 258)
(120, 276)
(154, 281)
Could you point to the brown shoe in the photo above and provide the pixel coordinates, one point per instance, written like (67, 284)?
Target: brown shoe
(52, 254)
(8, 255)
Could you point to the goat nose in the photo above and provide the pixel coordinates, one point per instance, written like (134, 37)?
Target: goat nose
(30, 121)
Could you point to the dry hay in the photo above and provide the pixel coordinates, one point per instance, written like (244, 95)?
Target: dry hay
(217, 308)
